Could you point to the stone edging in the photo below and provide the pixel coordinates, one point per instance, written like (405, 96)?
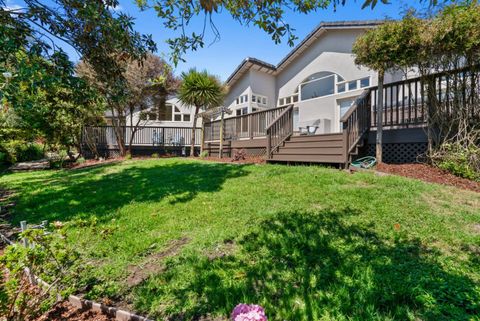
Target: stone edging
(82, 304)
(118, 314)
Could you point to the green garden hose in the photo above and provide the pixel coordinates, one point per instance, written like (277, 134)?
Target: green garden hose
(365, 162)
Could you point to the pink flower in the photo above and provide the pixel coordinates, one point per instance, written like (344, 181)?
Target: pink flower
(248, 312)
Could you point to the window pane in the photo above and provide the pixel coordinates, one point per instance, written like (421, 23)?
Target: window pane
(143, 116)
(288, 100)
(264, 100)
(254, 98)
(176, 109)
(281, 101)
(238, 112)
(341, 88)
(165, 113)
(318, 88)
(352, 85)
(246, 98)
(365, 82)
(186, 117)
(152, 116)
(238, 101)
(244, 111)
(178, 117)
(295, 98)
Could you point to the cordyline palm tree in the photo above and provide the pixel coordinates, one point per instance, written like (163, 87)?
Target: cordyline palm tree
(202, 91)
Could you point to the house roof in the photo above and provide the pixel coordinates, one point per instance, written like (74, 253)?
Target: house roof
(266, 67)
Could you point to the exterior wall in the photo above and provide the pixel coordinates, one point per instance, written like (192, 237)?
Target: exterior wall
(242, 87)
(263, 84)
(331, 52)
(175, 102)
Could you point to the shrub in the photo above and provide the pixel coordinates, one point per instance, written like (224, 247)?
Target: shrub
(58, 159)
(51, 259)
(20, 151)
(80, 160)
(239, 154)
(458, 160)
(204, 154)
(155, 155)
(128, 156)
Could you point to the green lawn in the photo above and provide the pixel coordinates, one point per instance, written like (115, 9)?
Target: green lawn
(181, 239)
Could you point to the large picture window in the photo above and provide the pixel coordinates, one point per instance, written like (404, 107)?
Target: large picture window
(165, 113)
(319, 84)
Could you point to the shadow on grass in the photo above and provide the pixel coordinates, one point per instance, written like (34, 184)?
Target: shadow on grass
(309, 266)
(100, 191)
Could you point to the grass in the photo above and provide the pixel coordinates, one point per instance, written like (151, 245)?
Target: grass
(185, 239)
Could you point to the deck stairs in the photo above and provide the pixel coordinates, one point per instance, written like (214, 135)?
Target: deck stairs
(323, 148)
(336, 148)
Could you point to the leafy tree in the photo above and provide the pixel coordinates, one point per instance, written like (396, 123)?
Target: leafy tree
(147, 85)
(41, 98)
(447, 43)
(393, 45)
(202, 91)
(103, 38)
(269, 16)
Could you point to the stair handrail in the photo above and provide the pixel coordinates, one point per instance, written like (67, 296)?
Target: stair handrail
(279, 130)
(356, 122)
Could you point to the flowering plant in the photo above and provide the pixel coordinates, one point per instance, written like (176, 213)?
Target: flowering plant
(248, 312)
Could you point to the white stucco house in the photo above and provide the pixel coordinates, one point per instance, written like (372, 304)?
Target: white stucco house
(175, 114)
(319, 77)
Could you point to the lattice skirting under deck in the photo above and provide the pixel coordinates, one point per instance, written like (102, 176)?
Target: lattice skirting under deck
(399, 153)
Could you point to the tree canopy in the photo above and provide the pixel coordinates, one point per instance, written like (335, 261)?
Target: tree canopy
(269, 16)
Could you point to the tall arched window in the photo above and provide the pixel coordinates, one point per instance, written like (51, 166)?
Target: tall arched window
(319, 84)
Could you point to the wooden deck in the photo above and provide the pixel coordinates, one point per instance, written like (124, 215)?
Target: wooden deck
(405, 107)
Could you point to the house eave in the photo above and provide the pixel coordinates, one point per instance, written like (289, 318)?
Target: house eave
(319, 31)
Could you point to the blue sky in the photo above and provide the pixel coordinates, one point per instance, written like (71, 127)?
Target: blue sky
(238, 42)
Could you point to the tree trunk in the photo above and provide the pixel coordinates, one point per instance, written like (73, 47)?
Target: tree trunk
(118, 125)
(379, 151)
(132, 131)
(192, 141)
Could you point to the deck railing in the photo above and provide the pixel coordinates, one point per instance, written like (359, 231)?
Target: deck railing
(356, 122)
(245, 126)
(279, 130)
(407, 102)
(144, 136)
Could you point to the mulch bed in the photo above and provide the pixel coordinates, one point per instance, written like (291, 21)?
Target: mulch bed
(429, 174)
(64, 311)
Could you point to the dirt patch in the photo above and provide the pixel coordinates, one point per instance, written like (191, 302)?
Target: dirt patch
(222, 250)
(247, 160)
(94, 163)
(154, 263)
(64, 311)
(476, 228)
(429, 174)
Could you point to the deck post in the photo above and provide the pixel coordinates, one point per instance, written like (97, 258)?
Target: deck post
(346, 147)
(220, 152)
(269, 144)
(250, 127)
(202, 135)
